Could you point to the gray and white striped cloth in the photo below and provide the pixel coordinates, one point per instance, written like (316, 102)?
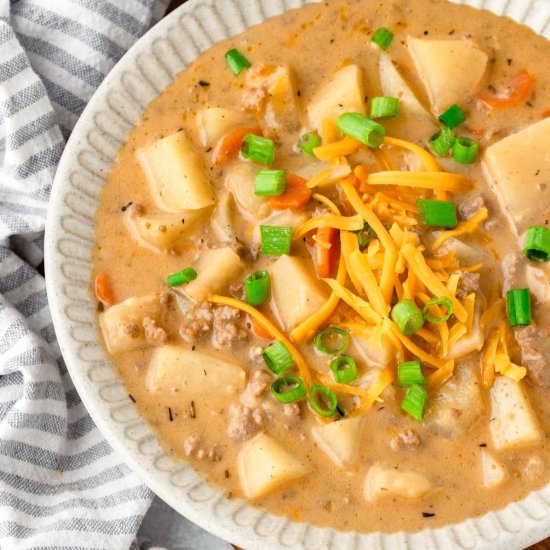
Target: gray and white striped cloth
(61, 486)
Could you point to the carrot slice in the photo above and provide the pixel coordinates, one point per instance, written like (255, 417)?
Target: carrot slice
(231, 144)
(103, 289)
(518, 91)
(259, 330)
(296, 195)
(326, 257)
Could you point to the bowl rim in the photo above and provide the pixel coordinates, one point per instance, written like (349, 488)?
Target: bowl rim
(68, 252)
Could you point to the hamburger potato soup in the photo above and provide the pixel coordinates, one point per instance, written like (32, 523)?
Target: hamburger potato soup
(321, 264)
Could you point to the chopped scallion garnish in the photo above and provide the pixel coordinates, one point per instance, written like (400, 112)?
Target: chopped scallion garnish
(256, 288)
(270, 183)
(537, 244)
(441, 301)
(382, 107)
(181, 277)
(237, 62)
(442, 142)
(332, 341)
(383, 38)
(407, 317)
(414, 402)
(465, 150)
(276, 240)
(519, 307)
(288, 389)
(323, 401)
(437, 213)
(454, 116)
(362, 129)
(277, 358)
(410, 373)
(308, 142)
(365, 236)
(258, 149)
(344, 369)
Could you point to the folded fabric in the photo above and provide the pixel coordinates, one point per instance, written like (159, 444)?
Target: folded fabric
(61, 485)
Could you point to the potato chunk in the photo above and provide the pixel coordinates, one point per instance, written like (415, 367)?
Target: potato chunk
(163, 230)
(518, 168)
(344, 93)
(240, 179)
(184, 374)
(340, 441)
(470, 342)
(296, 292)
(492, 471)
(214, 123)
(122, 324)
(265, 466)
(375, 347)
(386, 481)
(514, 423)
(216, 269)
(176, 175)
(451, 70)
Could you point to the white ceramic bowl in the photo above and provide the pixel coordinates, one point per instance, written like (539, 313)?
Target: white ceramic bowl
(140, 76)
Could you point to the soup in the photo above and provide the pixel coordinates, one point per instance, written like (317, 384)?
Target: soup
(320, 264)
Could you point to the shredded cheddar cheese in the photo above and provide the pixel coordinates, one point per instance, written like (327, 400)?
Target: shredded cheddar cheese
(344, 147)
(463, 228)
(429, 162)
(327, 202)
(442, 181)
(352, 223)
(330, 132)
(361, 268)
(362, 307)
(329, 176)
(349, 244)
(372, 394)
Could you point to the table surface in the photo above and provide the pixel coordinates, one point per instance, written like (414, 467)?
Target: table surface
(166, 528)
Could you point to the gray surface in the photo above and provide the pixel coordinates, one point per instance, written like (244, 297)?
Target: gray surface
(165, 528)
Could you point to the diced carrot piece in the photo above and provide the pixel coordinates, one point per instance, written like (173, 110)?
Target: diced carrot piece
(326, 258)
(103, 289)
(518, 91)
(296, 195)
(259, 330)
(231, 144)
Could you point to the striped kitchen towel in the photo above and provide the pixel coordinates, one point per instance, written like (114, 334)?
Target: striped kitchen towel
(61, 486)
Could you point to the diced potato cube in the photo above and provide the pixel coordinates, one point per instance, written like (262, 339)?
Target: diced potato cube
(122, 324)
(340, 441)
(471, 342)
(538, 280)
(412, 114)
(297, 294)
(451, 70)
(240, 179)
(375, 347)
(344, 93)
(163, 230)
(513, 420)
(386, 481)
(214, 123)
(518, 168)
(492, 471)
(183, 374)
(465, 253)
(265, 466)
(176, 175)
(216, 269)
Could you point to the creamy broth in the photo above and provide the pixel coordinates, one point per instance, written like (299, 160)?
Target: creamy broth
(316, 42)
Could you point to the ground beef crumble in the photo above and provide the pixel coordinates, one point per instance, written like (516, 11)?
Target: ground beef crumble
(244, 422)
(468, 283)
(408, 439)
(154, 334)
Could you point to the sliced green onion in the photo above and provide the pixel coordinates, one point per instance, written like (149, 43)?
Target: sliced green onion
(237, 62)
(383, 38)
(410, 373)
(258, 149)
(277, 358)
(537, 244)
(323, 401)
(407, 317)
(276, 240)
(382, 107)
(181, 277)
(344, 369)
(288, 389)
(437, 213)
(442, 142)
(332, 340)
(365, 236)
(256, 288)
(441, 301)
(465, 150)
(414, 402)
(519, 307)
(308, 142)
(454, 116)
(270, 183)
(362, 128)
